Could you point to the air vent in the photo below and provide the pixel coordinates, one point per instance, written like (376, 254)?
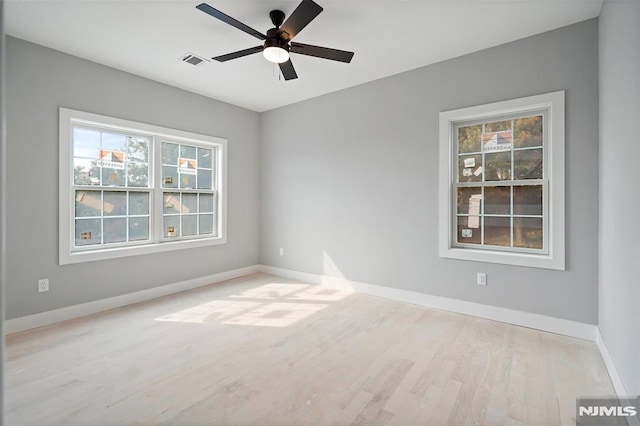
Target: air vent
(192, 59)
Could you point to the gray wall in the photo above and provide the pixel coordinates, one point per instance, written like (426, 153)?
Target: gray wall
(620, 187)
(349, 181)
(39, 81)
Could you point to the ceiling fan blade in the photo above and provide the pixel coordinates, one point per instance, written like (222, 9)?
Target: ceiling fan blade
(288, 71)
(229, 20)
(306, 12)
(238, 54)
(321, 52)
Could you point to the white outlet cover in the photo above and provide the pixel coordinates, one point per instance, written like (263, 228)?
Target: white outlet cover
(482, 278)
(43, 285)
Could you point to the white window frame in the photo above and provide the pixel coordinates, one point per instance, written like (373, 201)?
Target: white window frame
(68, 118)
(553, 254)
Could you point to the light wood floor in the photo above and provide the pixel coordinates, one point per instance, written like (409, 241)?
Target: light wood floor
(266, 350)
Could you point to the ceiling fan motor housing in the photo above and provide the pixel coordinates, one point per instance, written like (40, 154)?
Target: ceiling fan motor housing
(274, 40)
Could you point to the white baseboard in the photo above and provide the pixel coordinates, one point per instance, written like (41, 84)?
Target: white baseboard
(611, 368)
(510, 316)
(621, 391)
(51, 317)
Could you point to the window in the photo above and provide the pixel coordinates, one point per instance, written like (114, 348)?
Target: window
(502, 182)
(130, 188)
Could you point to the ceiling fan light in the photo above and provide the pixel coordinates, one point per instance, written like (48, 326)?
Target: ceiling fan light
(275, 54)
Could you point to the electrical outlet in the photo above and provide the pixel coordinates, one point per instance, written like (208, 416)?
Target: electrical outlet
(43, 285)
(281, 251)
(482, 278)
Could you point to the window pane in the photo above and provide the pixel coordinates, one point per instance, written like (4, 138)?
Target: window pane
(114, 204)
(206, 203)
(169, 154)
(465, 199)
(112, 177)
(187, 181)
(205, 157)
(466, 234)
(188, 152)
(114, 142)
(86, 142)
(115, 230)
(469, 138)
(171, 203)
(497, 126)
(138, 228)
(497, 200)
(527, 200)
(138, 203)
(528, 164)
(470, 168)
(85, 172)
(169, 177)
(527, 232)
(206, 224)
(204, 179)
(214, 165)
(528, 132)
(497, 231)
(189, 203)
(138, 174)
(88, 203)
(171, 226)
(498, 166)
(190, 224)
(88, 232)
(138, 149)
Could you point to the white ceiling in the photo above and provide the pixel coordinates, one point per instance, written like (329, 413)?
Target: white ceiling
(149, 38)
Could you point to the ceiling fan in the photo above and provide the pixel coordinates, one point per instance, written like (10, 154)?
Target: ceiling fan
(277, 42)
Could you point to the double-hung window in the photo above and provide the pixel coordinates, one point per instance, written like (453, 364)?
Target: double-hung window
(131, 188)
(502, 182)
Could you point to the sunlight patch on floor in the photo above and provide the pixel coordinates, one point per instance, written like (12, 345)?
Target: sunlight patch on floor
(275, 304)
(276, 314)
(321, 294)
(272, 291)
(213, 311)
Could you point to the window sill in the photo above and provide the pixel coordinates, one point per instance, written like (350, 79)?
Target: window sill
(117, 252)
(505, 258)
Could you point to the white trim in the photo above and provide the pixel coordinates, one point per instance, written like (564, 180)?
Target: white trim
(510, 316)
(65, 219)
(133, 250)
(42, 319)
(611, 368)
(618, 386)
(554, 103)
